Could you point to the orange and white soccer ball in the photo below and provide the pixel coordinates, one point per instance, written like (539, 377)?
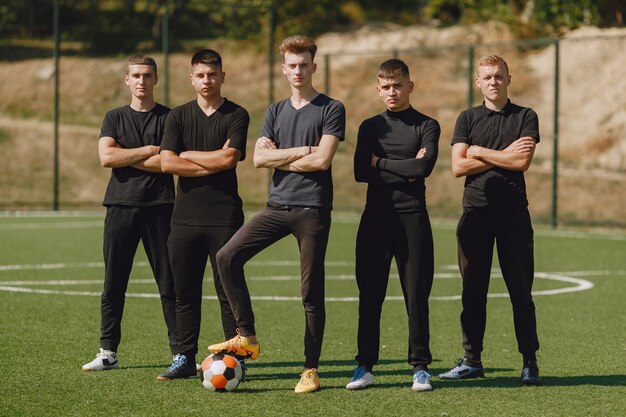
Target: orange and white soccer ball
(221, 372)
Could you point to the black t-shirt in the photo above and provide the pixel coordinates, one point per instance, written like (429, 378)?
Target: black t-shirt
(130, 186)
(211, 200)
(396, 137)
(289, 127)
(496, 188)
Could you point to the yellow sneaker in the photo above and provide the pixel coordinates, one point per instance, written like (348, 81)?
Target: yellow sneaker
(238, 345)
(309, 381)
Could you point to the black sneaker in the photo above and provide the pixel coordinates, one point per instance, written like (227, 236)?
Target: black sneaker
(530, 374)
(180, 369)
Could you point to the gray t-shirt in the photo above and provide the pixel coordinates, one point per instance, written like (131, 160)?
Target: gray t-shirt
(289, 127)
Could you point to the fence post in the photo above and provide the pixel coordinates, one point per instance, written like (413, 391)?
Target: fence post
(57, 52)
(327, 74)
(555, 143)
(165, 48)
(470, 76)
(270, 53)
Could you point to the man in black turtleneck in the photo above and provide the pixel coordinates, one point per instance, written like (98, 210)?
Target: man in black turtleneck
(396, 151)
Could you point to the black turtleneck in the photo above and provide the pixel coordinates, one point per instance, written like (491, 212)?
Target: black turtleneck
(397, 183)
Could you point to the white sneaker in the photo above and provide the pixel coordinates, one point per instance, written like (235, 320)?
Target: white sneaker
(104, 360)
(421, 381)
(361, 379)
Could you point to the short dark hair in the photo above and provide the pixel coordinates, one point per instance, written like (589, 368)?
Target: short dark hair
(298, 44)
(142, 60)
(207, 57)
(393, 68)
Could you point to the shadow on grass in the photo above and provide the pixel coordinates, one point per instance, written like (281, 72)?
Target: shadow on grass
(548, 381)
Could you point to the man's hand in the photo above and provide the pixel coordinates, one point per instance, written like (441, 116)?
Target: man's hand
(523, 144)
(265, 143)
(421, 153)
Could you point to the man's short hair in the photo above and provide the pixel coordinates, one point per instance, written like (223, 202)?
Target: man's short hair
(297, 45)
(207, 57)
(142, 60)
(393, 68)
(493, 60)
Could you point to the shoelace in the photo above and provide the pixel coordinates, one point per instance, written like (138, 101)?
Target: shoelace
(105, 354)
(179, 361)
(359, 373)
(307, 377)
(421, 377)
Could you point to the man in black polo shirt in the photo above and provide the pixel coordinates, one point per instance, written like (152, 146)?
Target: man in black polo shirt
(204, 140)
(395, 152)
(139, 200)
(492, 146)
(300, 138)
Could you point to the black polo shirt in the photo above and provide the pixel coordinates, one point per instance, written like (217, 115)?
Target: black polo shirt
(496, 188)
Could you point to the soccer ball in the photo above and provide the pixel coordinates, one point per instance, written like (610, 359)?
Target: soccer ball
(221, 372)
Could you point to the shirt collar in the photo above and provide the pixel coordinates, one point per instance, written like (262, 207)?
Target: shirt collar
(505, 110)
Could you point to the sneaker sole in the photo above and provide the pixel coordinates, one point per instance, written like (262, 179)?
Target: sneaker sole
(358, 387)
(102, 369)
(421, 389)
(249, 355)
(473, 375)
(307, 391)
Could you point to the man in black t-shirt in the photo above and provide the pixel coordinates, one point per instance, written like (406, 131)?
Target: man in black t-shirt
(396, 150)
(300, 138)
(139, 200)
(202, 144)
(492, 146)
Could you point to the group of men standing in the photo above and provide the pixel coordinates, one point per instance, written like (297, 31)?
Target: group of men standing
(202, 141)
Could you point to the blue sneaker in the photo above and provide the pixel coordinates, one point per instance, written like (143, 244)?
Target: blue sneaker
(530, 374)
(462, 370)
(421, 381)
(361, 379)
(180, 368)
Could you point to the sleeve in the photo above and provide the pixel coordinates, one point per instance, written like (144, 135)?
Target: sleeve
(267, 129)
(530, 125)
(413, 168)
(363, 172)
(461, 129)
(238, 131)
(172, 134)
(335, 120)
(109, 125)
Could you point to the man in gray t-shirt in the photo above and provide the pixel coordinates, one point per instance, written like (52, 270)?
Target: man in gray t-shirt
(300, 138)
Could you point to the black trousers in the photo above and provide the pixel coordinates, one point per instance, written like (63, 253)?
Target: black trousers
(408, 238)
(190, 247)
(311, 227)
(124, 227)
(513, 235)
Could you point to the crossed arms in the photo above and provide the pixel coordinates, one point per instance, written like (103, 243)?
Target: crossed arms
(112, 155)
(200, 163)
(470, 160)
(296, 159)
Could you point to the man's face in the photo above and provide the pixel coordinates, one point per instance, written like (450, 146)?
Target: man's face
(299, 68)
(207, 80)
(493, 81)
(141, 80)
(395, 92)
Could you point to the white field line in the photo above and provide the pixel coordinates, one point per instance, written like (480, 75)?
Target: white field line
(22, 286)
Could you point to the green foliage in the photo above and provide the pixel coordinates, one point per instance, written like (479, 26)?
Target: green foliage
(107, 26)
